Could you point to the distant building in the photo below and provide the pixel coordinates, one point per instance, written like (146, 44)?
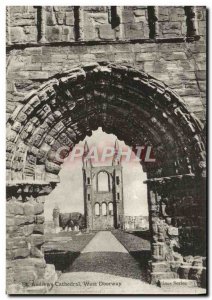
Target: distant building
(103, 192)
(135, 222)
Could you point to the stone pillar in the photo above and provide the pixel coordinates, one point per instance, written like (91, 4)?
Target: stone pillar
(191, 21)
(26, 267)
(41, 15)
(56, 213)
(159, 266)
(174, 210)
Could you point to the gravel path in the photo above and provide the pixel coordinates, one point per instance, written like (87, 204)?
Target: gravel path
(104, 241)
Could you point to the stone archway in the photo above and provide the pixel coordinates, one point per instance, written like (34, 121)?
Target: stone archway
(139, 110)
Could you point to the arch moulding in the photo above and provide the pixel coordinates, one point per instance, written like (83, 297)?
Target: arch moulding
(139, 110)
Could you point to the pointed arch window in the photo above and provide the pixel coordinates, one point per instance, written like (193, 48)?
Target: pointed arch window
(104, 209)
(110, 209)
(103, 182)
(97, 209)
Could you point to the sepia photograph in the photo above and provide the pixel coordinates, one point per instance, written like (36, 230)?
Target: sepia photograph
(106, 150)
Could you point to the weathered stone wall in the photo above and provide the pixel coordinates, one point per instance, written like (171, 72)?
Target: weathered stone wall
(168, 43)
(25, 236)
(180, 66)
(100, 23)
(168, 57)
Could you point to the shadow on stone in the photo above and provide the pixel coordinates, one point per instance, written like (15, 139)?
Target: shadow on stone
(60, 259)
(142, 234)
(142, 257)
(63, 248)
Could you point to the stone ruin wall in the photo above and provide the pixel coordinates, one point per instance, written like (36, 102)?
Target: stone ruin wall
(168, 43)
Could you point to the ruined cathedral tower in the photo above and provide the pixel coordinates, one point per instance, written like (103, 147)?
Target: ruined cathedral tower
(103, 192)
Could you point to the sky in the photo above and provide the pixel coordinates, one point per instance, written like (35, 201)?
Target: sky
(68, 194)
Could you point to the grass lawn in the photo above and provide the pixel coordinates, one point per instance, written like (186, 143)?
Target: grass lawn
(114, 263)
(63, 248)
(133, 241)
(138, 245)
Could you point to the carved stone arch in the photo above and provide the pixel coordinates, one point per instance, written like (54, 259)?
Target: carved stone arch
(66, 108)
(136, 108)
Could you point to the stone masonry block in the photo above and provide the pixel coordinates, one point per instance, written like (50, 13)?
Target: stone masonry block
(38, 75)
(26, 230)
(134, 31)
(39, 219)
(37, 239)
(35, 252)
(106, 32)
(58, 58)
(25, 276)
(38, 228)
(69, 18)
(201, 75)
(156, 276)
(23, 19)
(38, 208)
(87, 57)
(127, 15)
(90, 33)
(28, 209)
(99, 18)
(183, 271)
(10, 221)
(19, 9)
(146, 56)
(38, 58)
(38, 263)
(16, 242)
(22, 220)
(159, 267)
(14, 208)
(124, 57)
(17, 34)
(17, 253)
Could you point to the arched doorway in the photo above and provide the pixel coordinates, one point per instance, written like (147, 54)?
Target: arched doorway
(100, 185)
(137, 109)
